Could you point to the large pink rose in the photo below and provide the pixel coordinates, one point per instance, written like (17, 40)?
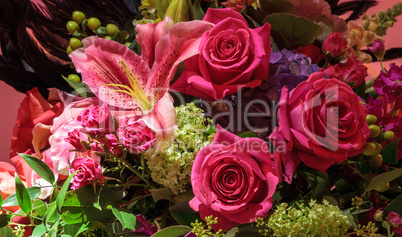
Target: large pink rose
(89, 170)
(231, 57)
(234, 179)
(321, 122)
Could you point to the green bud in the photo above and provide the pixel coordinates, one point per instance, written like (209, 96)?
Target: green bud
(371, 119)
(93, 23)
(74, 77)
(111, 29)
(374, 130)
(78, 17)
(72, 26)
(75, 43)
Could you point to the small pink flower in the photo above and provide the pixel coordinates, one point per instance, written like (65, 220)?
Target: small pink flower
(75, 138)
(378, 49)
(136, 135)
(394, 218)
(89, 170)
(335, 44)
(96, 120)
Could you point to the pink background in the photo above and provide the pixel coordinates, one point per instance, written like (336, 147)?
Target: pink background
(10, 99)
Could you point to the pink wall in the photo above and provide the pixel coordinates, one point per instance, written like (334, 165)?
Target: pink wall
(10, 99)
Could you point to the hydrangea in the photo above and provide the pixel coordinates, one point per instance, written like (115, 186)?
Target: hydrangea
(172, 166)
(312, 220)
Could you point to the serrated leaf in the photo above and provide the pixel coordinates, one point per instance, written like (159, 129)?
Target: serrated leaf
(40, 167)
(389, 153)
(383, 179)
(11, 201)
(290, 31)
(24, 201)
(173, 231)
(127, 219)
(63, 190)
(395, 206)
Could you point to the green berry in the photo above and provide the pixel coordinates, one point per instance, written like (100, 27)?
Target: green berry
(72, 26)
(389, 135)
(371, 119)
(108, 37)
(111, 29)
(78, 17)
(69, 50)
(369, 149)
(127, 44)
(378, 148)
(93, 23)
(376, 160)
(74, 77)
(374, 130)
(75, 43)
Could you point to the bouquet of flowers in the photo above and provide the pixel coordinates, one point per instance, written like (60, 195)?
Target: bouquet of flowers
(201, 118)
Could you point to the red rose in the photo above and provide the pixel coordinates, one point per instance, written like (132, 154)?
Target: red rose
(34, 109)
(321, 122)
(335, 44)
(136, 135)
(234, 179)
(231, 56)
(312, 52)
(89, 170)
(351, 71)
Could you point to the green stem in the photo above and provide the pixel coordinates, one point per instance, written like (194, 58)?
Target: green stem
(124, 185)
(355, 171)
(23, 215)
(382, 66)
(136, 172)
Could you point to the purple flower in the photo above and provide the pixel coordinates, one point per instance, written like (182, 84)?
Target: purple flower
(145, 228)
(389, 84)
(378, 49)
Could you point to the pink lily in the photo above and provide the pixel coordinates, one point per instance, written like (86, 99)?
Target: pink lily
(138, 84)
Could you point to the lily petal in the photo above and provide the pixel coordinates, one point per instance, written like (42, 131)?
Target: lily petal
(41, 134)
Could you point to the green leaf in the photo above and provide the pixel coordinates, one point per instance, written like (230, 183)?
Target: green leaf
(49, 213)
(248, 134)
(173, 231)
(11, 201)
(365, 168)
(40, 230)
(197, 10)
(1, 200)
(24, 201)
(389, 152)
(40, 167)
(63, 190)
(6, 231)
(383, 179)
(4, 220)
(184, 218)
(395, 206)
(76, 229)
(79, 87)
(361, 90)
(39, 207)
(232, 232)
(290, 31)
(126, 218)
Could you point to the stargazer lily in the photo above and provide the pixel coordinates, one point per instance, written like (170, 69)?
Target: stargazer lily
(137, 85)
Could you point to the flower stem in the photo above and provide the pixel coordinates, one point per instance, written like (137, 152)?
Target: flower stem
(382, 67)
(136, 172)
(23, 215)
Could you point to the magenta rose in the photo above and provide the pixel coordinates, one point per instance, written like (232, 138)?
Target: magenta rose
(335, 44)
(96, 120)
(89, 170)
(136, 135)
(234, 179)
(231, 57)
(351, 71)
(321, 122)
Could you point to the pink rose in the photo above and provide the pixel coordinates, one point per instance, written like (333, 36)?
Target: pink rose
(96, 120)
(231, 57)
(321, 122)
(110, 143)
(335, 44)
(237, 5)
(136, 135)
(76, 139)
(234, 179)
(351, 71)
(89, 170)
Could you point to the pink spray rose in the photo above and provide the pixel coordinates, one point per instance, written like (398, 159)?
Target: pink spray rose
(231, 57)
(237, 5)
(335, 44)
(96, 120)
(89, 170)
(234, 179)
(351, 71)
(321, 122)
(136, 135)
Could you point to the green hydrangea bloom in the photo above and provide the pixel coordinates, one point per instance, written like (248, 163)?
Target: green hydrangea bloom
(172, 167)
(312, 220)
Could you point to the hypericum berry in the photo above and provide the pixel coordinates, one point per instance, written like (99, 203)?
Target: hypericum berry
(371, 119)
(369, 149)
(389, 135)
(378, 148)
(374, 130)
(78, 16)
(108, 37)
(72, 26)
(75, 43)
(111, 29)
(384, 188)
(93, 23)
(74, 77)
(127, 44)
(69, 50)
(376, 160)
